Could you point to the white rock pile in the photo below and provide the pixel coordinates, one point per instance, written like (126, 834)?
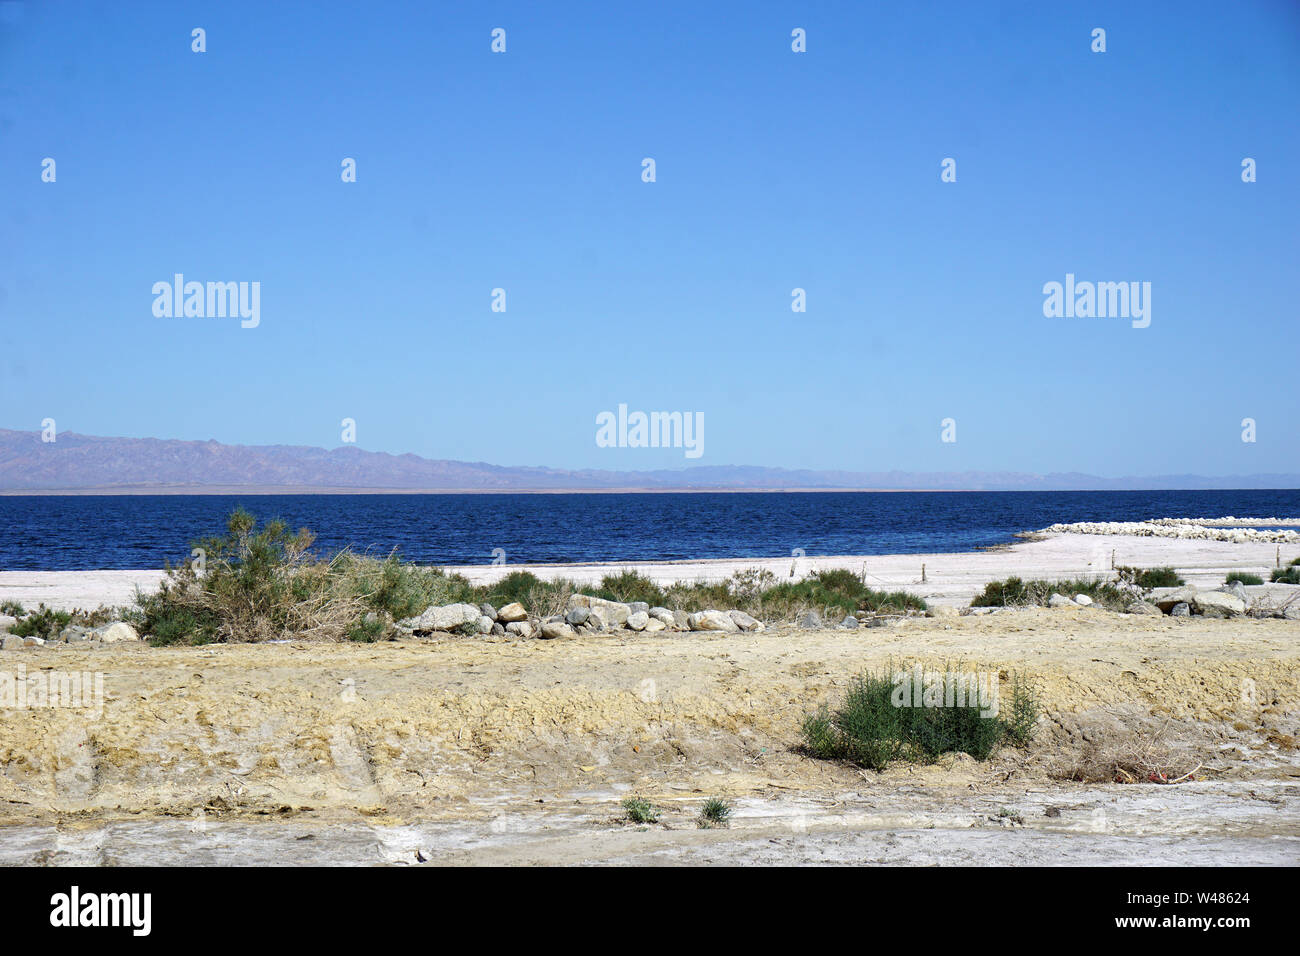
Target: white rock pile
(1203, 529)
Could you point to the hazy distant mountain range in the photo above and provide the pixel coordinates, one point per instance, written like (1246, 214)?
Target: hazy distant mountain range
(88, 463)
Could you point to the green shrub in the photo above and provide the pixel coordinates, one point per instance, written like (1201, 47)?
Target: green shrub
(1243, 578)
(715, 813)
(166, 622)
(637, 810)
(258, 584)
(44, 622)
(627, 586)
(838, 592)
(12, 608)
(399, 588)
(1014, 592)
(757, 592)
(515, 586)
(871, 729)
(1287, 575)
(1151, 577)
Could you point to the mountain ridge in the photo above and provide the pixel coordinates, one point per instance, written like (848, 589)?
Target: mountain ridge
(86, 463)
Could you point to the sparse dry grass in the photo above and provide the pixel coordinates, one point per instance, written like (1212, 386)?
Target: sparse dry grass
(1132, 758)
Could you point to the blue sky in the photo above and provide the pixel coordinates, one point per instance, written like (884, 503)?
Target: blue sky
(775, 170)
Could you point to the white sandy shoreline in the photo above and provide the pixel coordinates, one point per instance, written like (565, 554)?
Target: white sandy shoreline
(950, 579)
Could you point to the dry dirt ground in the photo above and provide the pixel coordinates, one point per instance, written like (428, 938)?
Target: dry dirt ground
(473, 750)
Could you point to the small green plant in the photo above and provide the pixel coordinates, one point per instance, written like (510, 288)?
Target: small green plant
(367, 629)
(1243, 578)
(820, 737)
(716, 812)
(1026, 708)
(1287, 575)
(12, 608)
(637, 810)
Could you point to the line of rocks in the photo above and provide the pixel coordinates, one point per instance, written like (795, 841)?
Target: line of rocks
(584, 614)
(115, 632)
(1227, 521)
(1173, 528)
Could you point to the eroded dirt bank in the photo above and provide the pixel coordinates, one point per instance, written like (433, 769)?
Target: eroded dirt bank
(474, 750)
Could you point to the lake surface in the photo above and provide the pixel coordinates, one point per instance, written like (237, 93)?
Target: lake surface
(142, 531)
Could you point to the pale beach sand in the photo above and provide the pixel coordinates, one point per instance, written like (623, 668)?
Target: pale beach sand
(951, 579)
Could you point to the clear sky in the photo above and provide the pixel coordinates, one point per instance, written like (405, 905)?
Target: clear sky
(775, 170)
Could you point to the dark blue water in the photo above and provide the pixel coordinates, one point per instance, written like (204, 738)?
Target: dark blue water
(69, 533)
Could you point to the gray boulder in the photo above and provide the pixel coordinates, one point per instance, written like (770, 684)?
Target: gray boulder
(850, 623)
(1237, 590)
(487, 610)
(555, 630)
(519, 629)
(712, 620)
(114, 633)
(1181, 609)
(1218, 604)
(1059, 600)
(447, 618)
(745, 622)
(638, 607)
(663, 615)
(1144, 607)
(809, 621)
(614, 612)
(681, 620)
(576, 616)
(1082, 600)
(1166, 598)
(637, 620)
(512, 612)
(485, 624)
